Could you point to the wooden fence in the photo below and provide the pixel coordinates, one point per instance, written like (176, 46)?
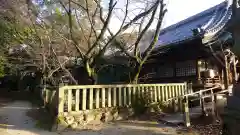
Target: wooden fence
(88, 97)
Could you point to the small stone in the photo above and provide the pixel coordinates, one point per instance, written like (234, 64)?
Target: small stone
(79, 118)
(74, 125)
(89, 117)
(69, 119)
(115, 115)
(107, 117)
(98, 116)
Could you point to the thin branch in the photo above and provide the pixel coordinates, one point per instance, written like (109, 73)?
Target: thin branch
(155, 39)
(144, 31)
(135, 19)
(105, 26)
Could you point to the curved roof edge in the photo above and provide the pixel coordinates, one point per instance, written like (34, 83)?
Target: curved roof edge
(209, 22)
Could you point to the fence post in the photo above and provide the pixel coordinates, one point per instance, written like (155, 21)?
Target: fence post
(60, 100)
(103, 98)
(114, 97)
(77, 100)
(202, 103)
(84, 98)
(91, 98)
(69, 100)
(180, 104)
(189, 87)
(97, 98)
(186, 112)
(109, 97)
(214, 111)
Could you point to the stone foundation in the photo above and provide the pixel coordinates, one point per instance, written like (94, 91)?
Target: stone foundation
(82, 119)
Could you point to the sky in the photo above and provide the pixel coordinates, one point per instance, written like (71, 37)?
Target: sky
(181, 9)
(177, 10)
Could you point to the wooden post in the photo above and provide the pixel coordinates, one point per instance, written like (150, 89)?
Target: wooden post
(202, 103)
(155, 93)
(198, 64)
(134, 94)
(214, 108)
(97, 98)
(77, 101)
(120, 96)
(84, 98)
(124, 96)
(160, 96)
(235, 75)
(61, 100)
(166, 92)
(174, 105)
(180, 104)
(151, 94)
(69, 100)
(129, 95)
(226, 75)
(170, 92)
(103, 98)
(91, 98)
(109, 97)
(114, 97)
(186, 112)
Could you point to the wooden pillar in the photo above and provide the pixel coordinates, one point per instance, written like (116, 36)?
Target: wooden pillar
(226, 75)
(235, 75)
(186, 112)
(214, 108)
(202, 103)
(198, 72)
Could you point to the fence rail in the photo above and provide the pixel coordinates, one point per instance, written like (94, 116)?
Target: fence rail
(87, 97)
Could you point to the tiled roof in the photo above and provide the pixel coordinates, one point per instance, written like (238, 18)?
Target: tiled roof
(210, 22)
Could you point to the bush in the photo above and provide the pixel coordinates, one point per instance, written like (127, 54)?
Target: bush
(140, 106)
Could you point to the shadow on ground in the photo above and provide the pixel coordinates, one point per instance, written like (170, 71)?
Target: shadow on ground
(21, 114)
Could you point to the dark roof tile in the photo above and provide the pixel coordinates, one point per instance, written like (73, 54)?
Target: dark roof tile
(210, 21)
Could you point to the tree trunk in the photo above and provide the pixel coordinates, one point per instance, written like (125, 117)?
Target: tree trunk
(137, 73)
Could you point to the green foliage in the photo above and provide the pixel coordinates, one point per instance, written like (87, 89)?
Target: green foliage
(2, 66)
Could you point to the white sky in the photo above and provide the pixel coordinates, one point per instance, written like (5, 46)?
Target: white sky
(181, 9)
(177, 10)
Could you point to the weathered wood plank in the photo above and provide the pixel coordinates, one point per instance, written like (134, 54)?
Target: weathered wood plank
(129, 95)
(61, 100)
(103, 98)
(160, 93)
(91, 98)
(120, 96)
(97, 98)
(155, 88)
(77, 101)
(114, 97)
(124, 96)
(109, 97)
(134, 94)
(70, 97)
(84, 99)
(113, 86)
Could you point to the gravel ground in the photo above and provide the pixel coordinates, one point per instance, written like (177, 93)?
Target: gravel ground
(15, 121)
(206, 126)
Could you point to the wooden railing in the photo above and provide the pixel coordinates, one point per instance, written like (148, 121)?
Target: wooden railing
(87, 97)
(200, 95)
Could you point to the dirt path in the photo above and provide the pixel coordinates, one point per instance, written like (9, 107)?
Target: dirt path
(14, 121)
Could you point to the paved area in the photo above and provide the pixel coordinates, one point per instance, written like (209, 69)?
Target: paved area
(14, 121)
